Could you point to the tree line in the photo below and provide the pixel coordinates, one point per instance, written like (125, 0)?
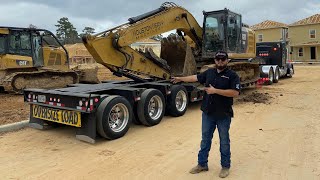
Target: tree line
(67, 33)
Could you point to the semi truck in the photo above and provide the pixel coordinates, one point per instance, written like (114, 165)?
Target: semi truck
(107, 109)
(274, 64)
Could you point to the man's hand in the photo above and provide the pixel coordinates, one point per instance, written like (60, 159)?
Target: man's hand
(210, 90)
(175, 80)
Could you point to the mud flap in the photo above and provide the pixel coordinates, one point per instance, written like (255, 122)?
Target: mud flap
(88, 130)
(179, 56)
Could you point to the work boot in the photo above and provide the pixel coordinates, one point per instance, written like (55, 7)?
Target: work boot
(198, 169)
(224, 172)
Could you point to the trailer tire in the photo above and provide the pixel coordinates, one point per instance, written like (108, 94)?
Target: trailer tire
(276, 75)
(178, 93)
(151, 107)
(108, 117)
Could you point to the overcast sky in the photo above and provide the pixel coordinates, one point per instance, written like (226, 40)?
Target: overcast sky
(104, 14)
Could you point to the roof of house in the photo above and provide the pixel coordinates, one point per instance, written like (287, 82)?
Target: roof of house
(314, 19)
(268, 25)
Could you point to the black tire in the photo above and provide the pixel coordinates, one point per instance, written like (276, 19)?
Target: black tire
(156, 108)
(270, 76)
(290, 72)
(135, 118)
(276, 76)
(173, 108)
(104, 116)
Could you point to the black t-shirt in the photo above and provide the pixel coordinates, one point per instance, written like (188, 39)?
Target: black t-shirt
(214, 103)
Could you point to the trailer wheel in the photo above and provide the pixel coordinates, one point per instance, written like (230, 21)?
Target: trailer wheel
(151, 107)
(270, 76)
(114, 116)
(177, 101)
(276, 76)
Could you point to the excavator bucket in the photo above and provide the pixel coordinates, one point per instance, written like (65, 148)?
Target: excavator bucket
(179, 56)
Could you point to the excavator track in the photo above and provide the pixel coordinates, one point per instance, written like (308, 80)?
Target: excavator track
(48, 79)
(248, 72)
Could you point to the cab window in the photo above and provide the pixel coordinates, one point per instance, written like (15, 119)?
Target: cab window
(20, 43)
(234, 32)
(214, 34)
(3, 44)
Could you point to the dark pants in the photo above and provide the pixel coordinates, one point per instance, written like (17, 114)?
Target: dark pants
(209, 124)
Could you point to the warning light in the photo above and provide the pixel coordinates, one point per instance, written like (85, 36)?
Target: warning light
(274, 49)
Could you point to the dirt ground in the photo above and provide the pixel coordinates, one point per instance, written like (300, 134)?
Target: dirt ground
(275, 134)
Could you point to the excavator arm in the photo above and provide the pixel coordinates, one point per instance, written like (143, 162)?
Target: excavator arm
(111, 48)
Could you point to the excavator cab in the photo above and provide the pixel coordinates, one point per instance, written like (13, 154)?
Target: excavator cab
(222, 31)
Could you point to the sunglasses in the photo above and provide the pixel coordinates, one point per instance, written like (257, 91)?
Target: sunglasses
(222, 59)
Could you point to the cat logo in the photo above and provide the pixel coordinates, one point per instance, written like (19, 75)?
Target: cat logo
(22, 62)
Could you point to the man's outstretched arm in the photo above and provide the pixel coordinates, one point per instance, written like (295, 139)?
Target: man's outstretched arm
(192, 78)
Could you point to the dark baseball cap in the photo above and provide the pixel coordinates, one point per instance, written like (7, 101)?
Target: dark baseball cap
(221, 55)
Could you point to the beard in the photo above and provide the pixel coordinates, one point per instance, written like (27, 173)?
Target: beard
(221, 67)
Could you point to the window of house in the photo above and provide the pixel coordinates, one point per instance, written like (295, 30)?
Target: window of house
(300, 52)
(312, 33)
(260, 37)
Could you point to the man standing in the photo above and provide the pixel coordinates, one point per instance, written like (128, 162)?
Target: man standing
(221, 85)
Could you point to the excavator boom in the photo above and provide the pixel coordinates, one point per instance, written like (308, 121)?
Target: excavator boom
(112, 47)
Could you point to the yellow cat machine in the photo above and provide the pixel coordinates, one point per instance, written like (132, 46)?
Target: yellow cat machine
(107, 109)
(34, 58)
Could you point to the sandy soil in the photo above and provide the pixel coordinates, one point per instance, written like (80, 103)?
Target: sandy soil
(277, 139)
(13, 109)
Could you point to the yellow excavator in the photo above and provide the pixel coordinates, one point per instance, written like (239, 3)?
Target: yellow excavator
(34, 58)
(187, 53)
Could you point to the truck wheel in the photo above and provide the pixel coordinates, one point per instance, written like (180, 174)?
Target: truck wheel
(114, 116)
(290, 72)
(276, 76)
(270, 76)
(177, 101)
(151, 107)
